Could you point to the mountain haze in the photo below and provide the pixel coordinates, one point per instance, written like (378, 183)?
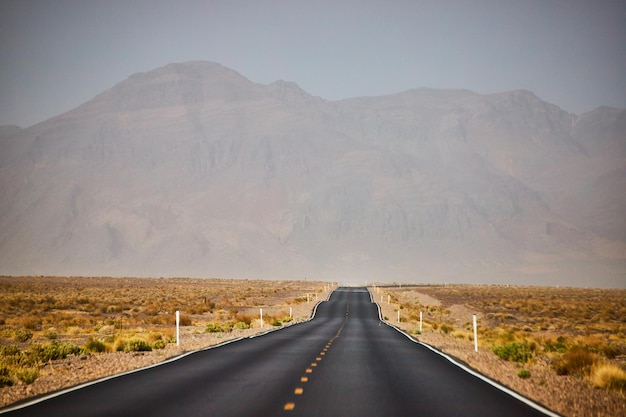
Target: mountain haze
(193, 170)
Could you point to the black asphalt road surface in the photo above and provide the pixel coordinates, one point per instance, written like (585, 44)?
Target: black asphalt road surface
(342, 363)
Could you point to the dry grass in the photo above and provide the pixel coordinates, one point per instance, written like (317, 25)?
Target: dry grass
(49, 318)
(549, 321)
(608, 376)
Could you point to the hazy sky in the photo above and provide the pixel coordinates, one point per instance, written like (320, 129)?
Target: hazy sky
(55, 55)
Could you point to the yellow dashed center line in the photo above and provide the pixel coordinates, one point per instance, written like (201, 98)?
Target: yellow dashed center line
(299, 390)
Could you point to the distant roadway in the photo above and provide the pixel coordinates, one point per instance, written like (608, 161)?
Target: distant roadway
(344, 362)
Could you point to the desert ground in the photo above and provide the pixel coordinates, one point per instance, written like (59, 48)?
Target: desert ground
(57, 332)
(562, 347)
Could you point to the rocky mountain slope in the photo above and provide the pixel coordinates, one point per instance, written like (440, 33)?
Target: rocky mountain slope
(193, 170)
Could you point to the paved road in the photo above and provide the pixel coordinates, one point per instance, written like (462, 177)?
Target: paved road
(342, 363)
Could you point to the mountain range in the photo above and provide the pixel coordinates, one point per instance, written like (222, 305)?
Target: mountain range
(193, 170)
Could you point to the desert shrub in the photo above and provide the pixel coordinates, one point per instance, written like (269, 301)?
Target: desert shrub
(555, 346)
(214, 327)
(5, 377)
(198, 309)
(31, 322)
(22, 335)
(609, 350)
(9, 350)
(138, 345)
(28, 375)
(159, 344)
(94, 345)
(446, 328)
(52, 351)
(245, 318)
(185, 320)
(67, 348)
(524, 373)
(167, 334)
(514, 351)
(154, 336)
(161, 319)
(241, 325)
(577, 361)
(51, 335)
(609, 377)
(120, 344)
(507, 336)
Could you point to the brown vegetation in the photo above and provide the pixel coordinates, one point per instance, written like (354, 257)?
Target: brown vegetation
(564, 347)
(48, 322)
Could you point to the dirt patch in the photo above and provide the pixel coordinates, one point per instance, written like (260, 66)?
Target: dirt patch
(423, 299)
(461, 315)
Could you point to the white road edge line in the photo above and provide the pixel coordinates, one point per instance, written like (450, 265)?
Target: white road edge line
(45, 397)
(480, 376)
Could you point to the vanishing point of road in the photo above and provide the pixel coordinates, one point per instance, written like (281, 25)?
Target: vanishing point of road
(344, 362)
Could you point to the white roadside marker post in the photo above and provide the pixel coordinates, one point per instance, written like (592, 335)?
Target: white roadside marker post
(291, 312)
(388, 299)
(420, 322)
(261, 314)
(177, 328)
(475, 334)
(398, 316)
